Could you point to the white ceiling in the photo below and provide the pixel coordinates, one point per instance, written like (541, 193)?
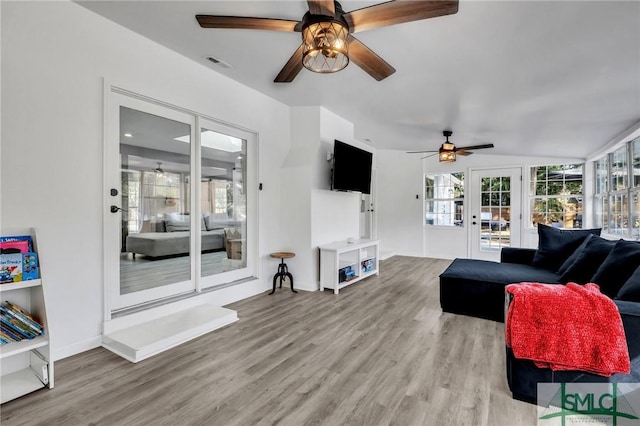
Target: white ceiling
(533, 77)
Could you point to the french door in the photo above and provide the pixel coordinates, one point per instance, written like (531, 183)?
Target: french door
(496, 207)
(180, 212)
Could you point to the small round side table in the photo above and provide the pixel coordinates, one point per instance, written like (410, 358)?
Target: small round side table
(283, 271)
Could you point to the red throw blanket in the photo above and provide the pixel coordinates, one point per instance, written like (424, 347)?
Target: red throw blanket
(572, 327)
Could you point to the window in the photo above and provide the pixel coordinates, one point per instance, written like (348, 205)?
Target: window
(619, 195)
(617, 191)
(217, 197)
(601, 199)
(444, 199)
(150, 196)
(635, 188)
(556, 195)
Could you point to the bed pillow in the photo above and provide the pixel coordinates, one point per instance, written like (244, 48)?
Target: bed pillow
(631, 289)
(556, 245)
(619, 265)
(590, 255)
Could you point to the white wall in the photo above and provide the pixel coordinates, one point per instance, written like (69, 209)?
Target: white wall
(55, 56)
(399, 180)
(400, 215)
(316, 215)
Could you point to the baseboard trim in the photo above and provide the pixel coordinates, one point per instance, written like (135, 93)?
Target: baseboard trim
(76, 348)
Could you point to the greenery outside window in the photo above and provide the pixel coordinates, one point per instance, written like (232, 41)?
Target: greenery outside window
(556, 195)
(444, 199)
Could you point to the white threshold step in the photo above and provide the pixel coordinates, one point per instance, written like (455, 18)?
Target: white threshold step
(146, 339)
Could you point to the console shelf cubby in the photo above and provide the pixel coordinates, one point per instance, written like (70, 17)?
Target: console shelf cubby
(343, 263)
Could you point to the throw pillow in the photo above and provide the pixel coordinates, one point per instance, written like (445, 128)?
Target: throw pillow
(591, 253)
(556, 245)
(616, 269)
(567, 263)
(631, 289)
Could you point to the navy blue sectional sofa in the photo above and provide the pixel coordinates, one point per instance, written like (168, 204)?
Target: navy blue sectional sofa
(476, 288)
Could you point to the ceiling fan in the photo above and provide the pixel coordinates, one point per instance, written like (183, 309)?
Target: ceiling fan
(448, 151)
(159, 170)
(327, 43)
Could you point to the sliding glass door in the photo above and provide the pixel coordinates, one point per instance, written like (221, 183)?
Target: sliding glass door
(226, 203)
(179, 209)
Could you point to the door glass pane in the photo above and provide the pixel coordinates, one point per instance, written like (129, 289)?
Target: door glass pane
(495, 213)
(223, 202)
(155, 198)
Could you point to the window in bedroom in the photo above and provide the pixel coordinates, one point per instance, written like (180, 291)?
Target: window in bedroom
(556, 195)
(444, 199)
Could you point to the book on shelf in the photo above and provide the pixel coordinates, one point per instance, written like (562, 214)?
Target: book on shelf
(17, 324)
(22, 242)
(20, 316)
(16, 267)
(8, 335)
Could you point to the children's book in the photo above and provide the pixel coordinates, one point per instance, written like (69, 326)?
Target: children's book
(12, 242)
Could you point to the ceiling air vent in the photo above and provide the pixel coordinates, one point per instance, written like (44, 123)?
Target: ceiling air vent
(217, 61)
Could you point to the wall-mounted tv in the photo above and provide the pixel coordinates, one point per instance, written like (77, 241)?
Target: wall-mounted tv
(351, 168)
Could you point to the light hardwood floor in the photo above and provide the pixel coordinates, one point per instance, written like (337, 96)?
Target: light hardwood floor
(380, 353)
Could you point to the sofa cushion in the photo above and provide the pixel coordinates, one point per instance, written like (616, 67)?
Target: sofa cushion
(618, 266)
(630, 290)
(176, 222)
(476, 287)
(556, 245)
(213, 223)
(588, 257)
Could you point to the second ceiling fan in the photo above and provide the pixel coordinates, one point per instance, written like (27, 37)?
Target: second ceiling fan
(327, 44)
(448, 151)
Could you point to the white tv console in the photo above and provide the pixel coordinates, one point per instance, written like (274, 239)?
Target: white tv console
(343, 263)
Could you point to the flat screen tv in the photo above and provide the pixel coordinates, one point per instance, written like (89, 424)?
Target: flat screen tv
(351, 168)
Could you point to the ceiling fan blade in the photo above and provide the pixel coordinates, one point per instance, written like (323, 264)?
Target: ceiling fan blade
(467, 148)
(398, 12)
(322, 7)
(291, 68)
(368, 60)
(246, 23)
(427, 156)
(463, 152)
(419, 152)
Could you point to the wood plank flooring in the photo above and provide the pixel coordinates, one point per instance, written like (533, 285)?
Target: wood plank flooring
(379, 353)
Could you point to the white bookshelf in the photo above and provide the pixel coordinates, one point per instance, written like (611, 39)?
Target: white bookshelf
(362, 257)
(26, 366)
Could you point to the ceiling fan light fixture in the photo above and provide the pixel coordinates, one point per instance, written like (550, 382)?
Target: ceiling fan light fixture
(446, 153)
(325, 43)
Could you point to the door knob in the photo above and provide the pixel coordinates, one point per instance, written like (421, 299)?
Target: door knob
(116, 209)
(473, 223)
